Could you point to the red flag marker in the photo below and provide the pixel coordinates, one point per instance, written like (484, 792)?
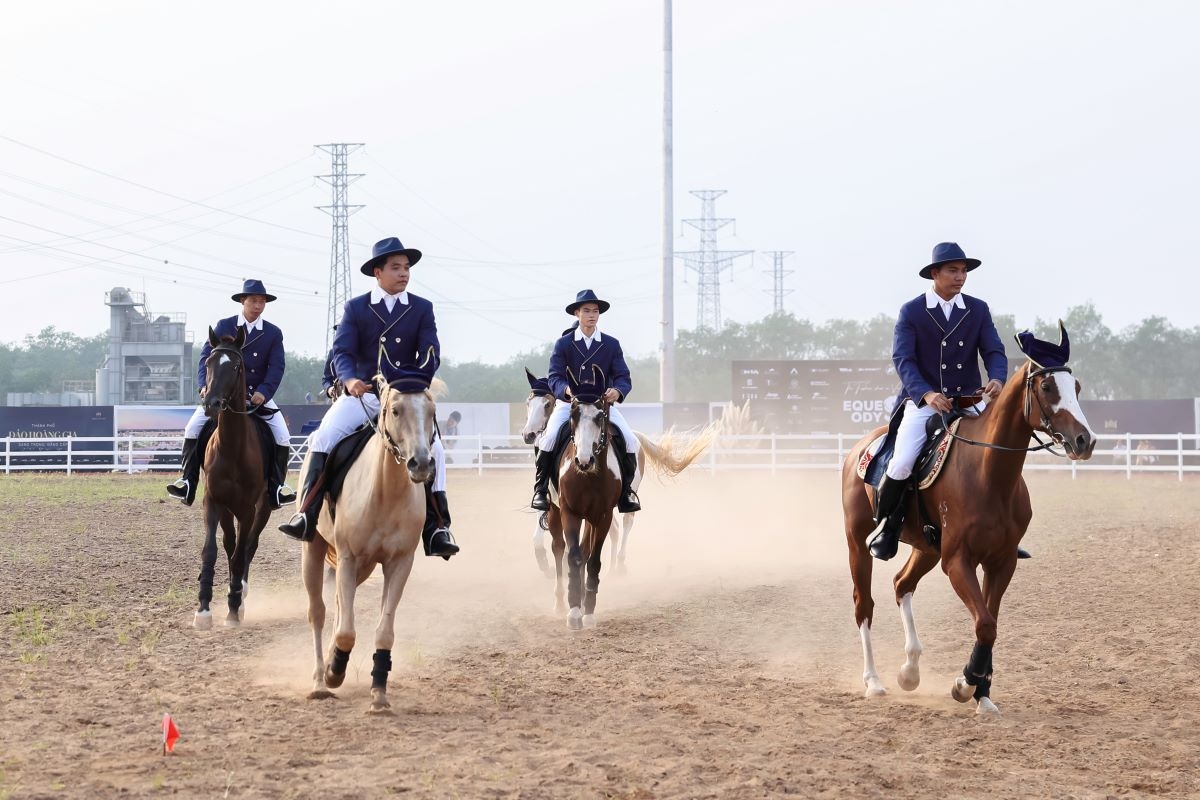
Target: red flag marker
(170, 734)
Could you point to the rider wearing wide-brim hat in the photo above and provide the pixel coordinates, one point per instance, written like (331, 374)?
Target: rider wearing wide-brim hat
(264, 362)
(939, 340)
(580, 349)
(391, 331)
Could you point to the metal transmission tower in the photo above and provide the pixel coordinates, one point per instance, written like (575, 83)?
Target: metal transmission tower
(339, 261)
(708, 261)
(777, 272)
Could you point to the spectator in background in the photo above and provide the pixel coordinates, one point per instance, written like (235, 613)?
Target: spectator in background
(450, 427)
(1143, 458)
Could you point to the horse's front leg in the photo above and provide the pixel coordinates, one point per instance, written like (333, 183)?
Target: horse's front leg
(558, 547)
(976, 680)
(626, 529)
(202, 621)
(312, 565)
(599, 531)
(343, 634)
(572, 533)
(858, 527)
(905, 583)
(395, 576)
(539, 544)
(238, 564)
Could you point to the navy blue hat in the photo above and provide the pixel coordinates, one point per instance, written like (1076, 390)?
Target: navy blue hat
(587, 296)
(1045, 354)
(946, 252)
(572, 329)
(252, 286)
(385, 248)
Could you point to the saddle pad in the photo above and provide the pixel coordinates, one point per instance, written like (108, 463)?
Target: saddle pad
(344, 454)
(868, 454)
(933, 456)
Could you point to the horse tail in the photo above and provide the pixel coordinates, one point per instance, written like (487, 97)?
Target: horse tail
(662, 454)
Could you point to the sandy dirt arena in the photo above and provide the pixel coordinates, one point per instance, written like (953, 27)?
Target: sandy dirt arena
(726, 663)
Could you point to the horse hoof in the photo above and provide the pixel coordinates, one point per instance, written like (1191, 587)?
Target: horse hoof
(321, 694)
(874, 689)
(575, 619)
(909, 677)
(962, 691)
(381, 710)
(334, 680)
(987, 709)
(233, 620)
(620, 570)
(589, 620)
(202, 621)
(560, 607)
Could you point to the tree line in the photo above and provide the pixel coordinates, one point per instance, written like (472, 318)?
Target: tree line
(1150, 360)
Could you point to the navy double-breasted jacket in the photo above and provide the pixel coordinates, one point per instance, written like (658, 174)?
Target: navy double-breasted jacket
(576, 356)
(262, 354)
(932, 353)
(371, 340)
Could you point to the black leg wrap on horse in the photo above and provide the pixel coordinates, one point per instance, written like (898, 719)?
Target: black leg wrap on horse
(383, 665)
(978, 671)
(337, 664)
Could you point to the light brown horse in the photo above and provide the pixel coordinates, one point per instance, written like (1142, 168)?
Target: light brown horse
(234, 477)
(380, 514)
(981, 504)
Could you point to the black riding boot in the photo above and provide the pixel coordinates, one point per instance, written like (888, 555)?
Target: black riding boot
(628, 502)
(303, 525)
(436, 536)
(185, 488)
(541, 481)
(278, 491)
(890, 510)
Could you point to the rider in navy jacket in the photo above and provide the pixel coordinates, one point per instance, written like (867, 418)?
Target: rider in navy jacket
(392, 332)
(939, 339)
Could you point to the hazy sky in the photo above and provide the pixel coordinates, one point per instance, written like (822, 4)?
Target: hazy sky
(167, 147)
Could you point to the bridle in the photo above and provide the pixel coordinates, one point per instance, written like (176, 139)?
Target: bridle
(601, 443)
(393, 447)
(1045, 423)
(240, 378)
(548, 403)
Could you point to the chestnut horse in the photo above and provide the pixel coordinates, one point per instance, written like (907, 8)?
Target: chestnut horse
(234, 477)
(981, 504)
(380, 514)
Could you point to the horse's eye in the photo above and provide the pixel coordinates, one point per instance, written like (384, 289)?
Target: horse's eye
(1047, 387)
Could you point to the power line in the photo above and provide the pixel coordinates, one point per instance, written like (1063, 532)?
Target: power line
(339, 210)
(708, 261)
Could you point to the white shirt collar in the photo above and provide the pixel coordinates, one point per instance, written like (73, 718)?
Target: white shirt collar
(933, 300)
(257, 325)
(579, 337)
(378, 295)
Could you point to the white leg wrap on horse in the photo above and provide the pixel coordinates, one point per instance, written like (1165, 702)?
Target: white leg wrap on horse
(870, 676)
(910, 673)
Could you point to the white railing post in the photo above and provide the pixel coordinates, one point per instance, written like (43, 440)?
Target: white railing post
(1128, 456)
(479, 453)
(70, 442)
(774, 453)
(1179, 453)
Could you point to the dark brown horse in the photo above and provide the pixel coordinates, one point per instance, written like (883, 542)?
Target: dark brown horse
(981, 504)
(235, 495)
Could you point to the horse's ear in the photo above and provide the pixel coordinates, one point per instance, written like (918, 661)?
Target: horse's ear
(212, 337)
(1063, 341)
(598, 376)
(529, 376)
(240, 338)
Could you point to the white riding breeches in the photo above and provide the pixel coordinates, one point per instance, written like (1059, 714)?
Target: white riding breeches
(562, 412)
(278, 427)
(910, 437)
(347, 414)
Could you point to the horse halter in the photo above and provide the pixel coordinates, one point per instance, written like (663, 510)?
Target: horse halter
(548, 401)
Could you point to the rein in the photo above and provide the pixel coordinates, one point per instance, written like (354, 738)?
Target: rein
(241, 368)
(1055, 436)
(391, 444)
(601, 443)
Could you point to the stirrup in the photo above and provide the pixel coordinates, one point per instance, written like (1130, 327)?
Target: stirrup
(447, 547)
(300, 520)
(181, 490)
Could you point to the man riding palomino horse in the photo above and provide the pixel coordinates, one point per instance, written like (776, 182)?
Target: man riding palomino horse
(577, 352)
(387, 331)
(263, 357)
(939, 338)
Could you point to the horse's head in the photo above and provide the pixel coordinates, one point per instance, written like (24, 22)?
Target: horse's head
(406, 422)
(1052, 395)
(589, 432)
(537, 407)
(226, 373)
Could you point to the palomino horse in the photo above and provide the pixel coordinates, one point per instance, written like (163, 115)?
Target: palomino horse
(234, 477)
(981, 504)
(589, 483)
(380, 513)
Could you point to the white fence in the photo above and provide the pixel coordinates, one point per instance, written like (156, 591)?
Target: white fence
(1175, 453)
